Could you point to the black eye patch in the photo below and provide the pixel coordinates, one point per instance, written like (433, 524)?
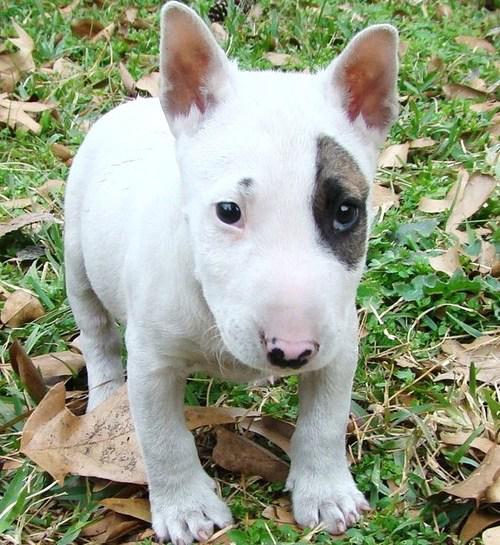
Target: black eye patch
(339, 202)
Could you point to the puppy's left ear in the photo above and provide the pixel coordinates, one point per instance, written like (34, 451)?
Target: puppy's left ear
(365, 75)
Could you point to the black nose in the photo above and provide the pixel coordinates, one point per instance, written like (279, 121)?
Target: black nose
(276, 356)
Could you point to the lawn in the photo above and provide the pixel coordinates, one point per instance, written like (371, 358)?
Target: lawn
(426, 406)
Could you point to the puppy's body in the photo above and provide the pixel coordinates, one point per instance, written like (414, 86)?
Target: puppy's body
(271, 293)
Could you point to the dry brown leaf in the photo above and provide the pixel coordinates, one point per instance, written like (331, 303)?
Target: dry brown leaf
(86, 28)
(421, 143)
(444, 10)
(13, 65)
(493, 491)
(494, 129)
(476, 192)
(127, 79)
(476, 522)
(456, 90)
(383, 198)
(278, 514)
(237, 453)
(133, 507)
(433, 206)
(20, 308)
(475, 486)
(394, 156)
(484, 106)
(12, 204)
(101, 443)
(105, 33)
(28, 373)
(278, 59)
(484, 352)
(475, 43)
(459, 438)
(487, 257)
(220, 33)
(276, 431)
(491, 536)
(23, 221)
(110, 528)
(435, 64)
(150, 83)
(61, 151)
(59, 364)
(50, 187)
(478, 84)
(66, 10)
(448, 262)
(15, 113)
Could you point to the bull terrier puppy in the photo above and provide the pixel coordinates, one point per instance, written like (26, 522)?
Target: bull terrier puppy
(225, 226)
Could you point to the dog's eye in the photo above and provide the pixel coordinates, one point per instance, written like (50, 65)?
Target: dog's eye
(228, 212)
(345, 216)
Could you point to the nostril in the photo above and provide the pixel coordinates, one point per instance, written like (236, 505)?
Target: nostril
(293, 354)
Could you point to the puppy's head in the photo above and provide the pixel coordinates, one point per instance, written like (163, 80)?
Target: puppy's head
(276, 171)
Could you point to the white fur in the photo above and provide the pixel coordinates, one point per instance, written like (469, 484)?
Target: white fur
(144, 246)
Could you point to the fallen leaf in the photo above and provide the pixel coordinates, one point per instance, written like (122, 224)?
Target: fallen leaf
(278, 514)
(66, 10)
(127, 80)
(475, 486)
(476, 192)
(105, 33)
(28, 373)
(220, 33)
(478, 84)
(459, 438)
(475, 43)
(277, 431)
(59, 364)
(150, 83)
(110, 528)
(435, 64)
(448, 262)
(476, 522)
(394, 156)
(65, 67)
(237, 453)
(487, 257)
(12, 204)
(14, 65)
(493, 491)
(383, 198)
(421, 143)
(23, 221)
(456, 90)
(61, 151)
(484, 106)
(491, 536)
(444, 10)
(278, 59)
(433, 206)
(50, 187)
(86, 28)
(20, 308)
(101, 443)
(133, 507)
(484, 352)
(15, 113)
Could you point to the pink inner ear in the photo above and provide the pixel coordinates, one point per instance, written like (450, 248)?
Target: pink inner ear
(368, 76)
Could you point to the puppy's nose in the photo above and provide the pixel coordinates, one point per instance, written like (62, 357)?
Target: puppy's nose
(293, 354)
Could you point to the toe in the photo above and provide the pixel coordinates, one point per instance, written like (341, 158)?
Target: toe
(199, 526)
(333, 518)
(219, 513)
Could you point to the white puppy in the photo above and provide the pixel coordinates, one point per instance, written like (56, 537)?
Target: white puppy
(225, 225)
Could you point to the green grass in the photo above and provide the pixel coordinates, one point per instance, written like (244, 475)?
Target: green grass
(400, 461)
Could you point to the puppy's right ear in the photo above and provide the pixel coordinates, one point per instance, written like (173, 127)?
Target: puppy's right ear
(194, 71)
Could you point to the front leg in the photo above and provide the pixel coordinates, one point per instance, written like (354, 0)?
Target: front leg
(184, 504)
(323, 490)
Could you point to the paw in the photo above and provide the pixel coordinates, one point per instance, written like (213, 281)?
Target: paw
(189, 513)
(335, 502)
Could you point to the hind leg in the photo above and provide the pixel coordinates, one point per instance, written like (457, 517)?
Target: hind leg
(100, 339)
